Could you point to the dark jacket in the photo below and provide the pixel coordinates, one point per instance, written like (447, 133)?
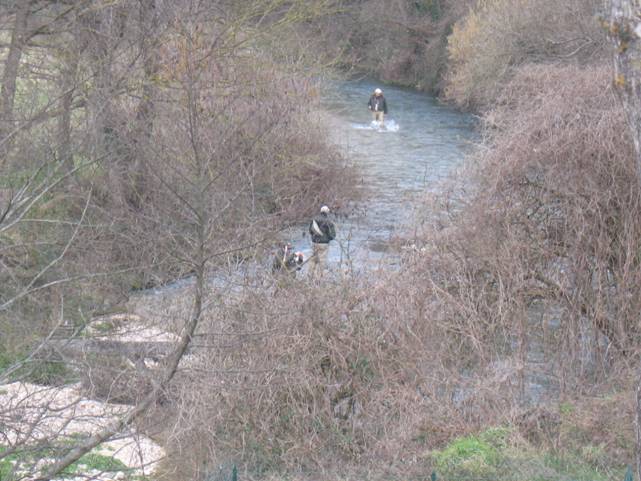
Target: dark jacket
(377, 104)
(326, 227)
(286, 259)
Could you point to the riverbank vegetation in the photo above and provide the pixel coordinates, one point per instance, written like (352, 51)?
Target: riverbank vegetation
(402, 42)
(116, 118)
(141, 142)
(534, 254)
(146, 141)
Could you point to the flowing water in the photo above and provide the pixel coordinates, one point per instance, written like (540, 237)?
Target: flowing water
(422, 142)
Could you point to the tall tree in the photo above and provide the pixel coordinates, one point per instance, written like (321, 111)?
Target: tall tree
(625, 31)
(193, 121)
(70, 60)
(148, 45)
(30, 20)
(10, 75)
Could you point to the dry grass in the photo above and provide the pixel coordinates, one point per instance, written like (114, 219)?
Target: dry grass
(497, 36)
(543, 247)
(304, 379)
(528, 273)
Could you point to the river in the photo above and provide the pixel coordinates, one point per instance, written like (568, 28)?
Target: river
(423, 142)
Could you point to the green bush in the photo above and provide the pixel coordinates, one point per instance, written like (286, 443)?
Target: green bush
(5, 359)
(25, 459)
(473, 456)
(7, 465)
(431, 7)
(491, 455)
(47, 373)
(98, 462)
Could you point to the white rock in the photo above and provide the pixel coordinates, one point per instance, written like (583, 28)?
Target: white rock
(61, 412)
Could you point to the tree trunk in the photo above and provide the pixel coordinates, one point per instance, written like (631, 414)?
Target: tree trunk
(9, 78)
(638, 426)
(625, 31)
(145, 112)
(67, 85)
(103, 31)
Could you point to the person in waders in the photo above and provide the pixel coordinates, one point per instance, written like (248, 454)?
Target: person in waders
(322, 230)
(286, 261)
(378, 106)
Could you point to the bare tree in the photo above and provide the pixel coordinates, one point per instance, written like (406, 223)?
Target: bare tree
(149, 35)
(625, 31)
(19, 38)
(219, 178)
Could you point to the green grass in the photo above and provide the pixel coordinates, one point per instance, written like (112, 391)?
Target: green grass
(8, 359)
(431, 7)
(7, 465)
(103, 327)
(491, 455)
(478, 456)
(26, 459)
(97, 462)
(47, 373)
(5, 359)
(15, 178)
(571, 467)
(40, 371)
(566, 408)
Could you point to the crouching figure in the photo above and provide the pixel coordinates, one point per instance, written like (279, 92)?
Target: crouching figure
(286, 261)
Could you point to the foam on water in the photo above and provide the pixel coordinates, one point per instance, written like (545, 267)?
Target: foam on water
(389, 126)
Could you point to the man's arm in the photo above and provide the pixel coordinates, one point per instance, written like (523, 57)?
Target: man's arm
(331, 230)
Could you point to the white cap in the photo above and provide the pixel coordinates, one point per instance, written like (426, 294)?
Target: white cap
(378, 91)
(325, 209)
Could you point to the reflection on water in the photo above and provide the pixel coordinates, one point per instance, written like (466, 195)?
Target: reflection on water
(421, 142)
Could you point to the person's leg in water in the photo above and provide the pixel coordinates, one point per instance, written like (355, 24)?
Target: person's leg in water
(315, 260)
(379, 118)
(319, 259)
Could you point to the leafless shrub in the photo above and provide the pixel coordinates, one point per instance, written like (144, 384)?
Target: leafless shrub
(498, 35)
(201, 152)
(508, 296)
(541, 249)
(293, 377)
(402, 42)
